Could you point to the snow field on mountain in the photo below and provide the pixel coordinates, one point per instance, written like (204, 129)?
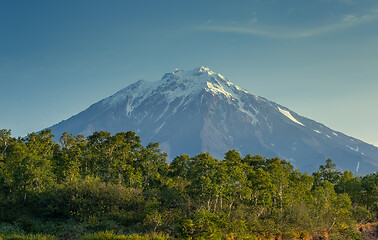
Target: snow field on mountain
(288, 115)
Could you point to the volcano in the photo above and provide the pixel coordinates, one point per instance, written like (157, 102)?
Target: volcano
(189, 112)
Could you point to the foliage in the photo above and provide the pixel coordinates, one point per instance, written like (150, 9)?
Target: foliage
(111, 187)
(15, 236)
(112, 236)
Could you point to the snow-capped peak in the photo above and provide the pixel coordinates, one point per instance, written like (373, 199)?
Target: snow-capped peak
(179, 84)
(191, 74)
(182, 83)
(201, 111)
(202, 69)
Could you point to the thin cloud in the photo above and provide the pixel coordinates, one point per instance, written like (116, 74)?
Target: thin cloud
(347, 2)
(348, 21)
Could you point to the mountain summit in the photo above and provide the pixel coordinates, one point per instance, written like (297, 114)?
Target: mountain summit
(195, 111)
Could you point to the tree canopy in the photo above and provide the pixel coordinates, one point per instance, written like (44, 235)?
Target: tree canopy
(113, 183)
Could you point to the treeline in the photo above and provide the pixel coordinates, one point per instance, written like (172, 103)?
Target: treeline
(111, 187)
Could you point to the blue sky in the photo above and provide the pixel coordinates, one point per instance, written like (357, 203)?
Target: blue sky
(316, 57)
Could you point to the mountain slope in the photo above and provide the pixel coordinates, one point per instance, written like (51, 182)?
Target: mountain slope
(195, 111)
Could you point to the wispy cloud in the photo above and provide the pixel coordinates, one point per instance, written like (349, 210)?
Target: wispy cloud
(348, 2)
(347, 21)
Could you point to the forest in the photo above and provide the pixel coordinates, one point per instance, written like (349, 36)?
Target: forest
(112, 187)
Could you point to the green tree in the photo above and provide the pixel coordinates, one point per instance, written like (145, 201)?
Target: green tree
(152, 164)
(34, 173)
(369, 193)
(5, 139)
(125, 149)
(97, 161)
(280, 172)
(330, 208)
(69, 162)
(327, 172)
(202, 175)
(179, 166)
(256, 161)
(233, 179)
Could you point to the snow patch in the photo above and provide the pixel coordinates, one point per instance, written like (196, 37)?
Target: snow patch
(242, 108)
(221, 76)
(217, 89)
(288, 115)
(135, 94)
(354, 149)
(162, 114)
(241, 89)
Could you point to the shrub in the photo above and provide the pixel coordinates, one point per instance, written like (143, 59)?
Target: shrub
(21, 236)
(112, 236)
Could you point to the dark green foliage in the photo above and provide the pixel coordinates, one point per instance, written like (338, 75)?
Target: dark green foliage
(28, 237)
(111, 187)
(112, 236)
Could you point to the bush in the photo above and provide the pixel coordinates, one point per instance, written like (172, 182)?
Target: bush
(92, 198)
(112, 236)
(6, 229)
(85, 200)
(27, 237)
